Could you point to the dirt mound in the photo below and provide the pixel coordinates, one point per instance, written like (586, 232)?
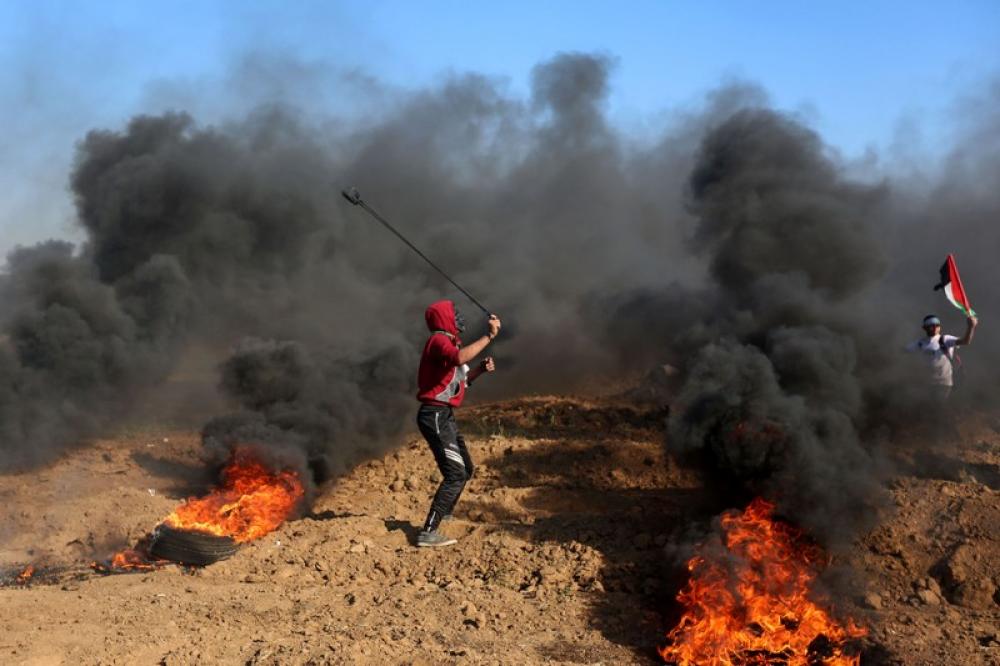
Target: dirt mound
(564, 555)
(932, 567)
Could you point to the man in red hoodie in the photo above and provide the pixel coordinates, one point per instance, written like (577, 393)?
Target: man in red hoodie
(442, 379)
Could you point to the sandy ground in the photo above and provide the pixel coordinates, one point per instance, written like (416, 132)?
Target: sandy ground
(563, 555)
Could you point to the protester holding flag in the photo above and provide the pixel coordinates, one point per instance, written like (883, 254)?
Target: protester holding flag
(937, 348)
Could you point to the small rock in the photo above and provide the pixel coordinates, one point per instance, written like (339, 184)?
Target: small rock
(411, 483)
(956, 568)
(872, 600)
(928, 598)
(397, 485)
(976, 594)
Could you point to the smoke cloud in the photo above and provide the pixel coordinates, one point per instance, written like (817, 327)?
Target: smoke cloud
(735, 245)
(775, 397)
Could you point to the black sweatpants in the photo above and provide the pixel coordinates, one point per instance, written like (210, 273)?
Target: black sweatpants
(437, 425)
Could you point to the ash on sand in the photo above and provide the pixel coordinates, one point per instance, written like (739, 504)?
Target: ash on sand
(561, 557)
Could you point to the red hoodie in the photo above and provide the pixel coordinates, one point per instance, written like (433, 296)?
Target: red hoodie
(440, 380)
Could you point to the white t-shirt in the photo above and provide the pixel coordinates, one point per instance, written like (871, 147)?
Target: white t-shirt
(939, 350)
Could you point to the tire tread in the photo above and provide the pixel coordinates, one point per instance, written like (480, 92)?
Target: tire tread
(189, 547)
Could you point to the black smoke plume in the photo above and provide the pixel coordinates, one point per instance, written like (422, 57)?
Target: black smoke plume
(775, 397)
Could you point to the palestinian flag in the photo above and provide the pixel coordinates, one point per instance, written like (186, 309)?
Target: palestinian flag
(952, 285)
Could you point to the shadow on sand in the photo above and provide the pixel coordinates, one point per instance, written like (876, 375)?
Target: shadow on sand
(188, 478)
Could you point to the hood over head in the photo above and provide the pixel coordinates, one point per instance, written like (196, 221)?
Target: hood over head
(440, 316)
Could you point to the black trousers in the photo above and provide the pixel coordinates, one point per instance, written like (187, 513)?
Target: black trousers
(437, 425)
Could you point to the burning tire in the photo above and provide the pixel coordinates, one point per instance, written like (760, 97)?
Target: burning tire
(188, 547)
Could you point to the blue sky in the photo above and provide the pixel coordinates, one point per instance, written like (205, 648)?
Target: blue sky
(858, 71)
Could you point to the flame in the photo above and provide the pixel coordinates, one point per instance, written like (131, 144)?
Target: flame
(251, 502)
(753, 606)
(134, 559)
(25, 575)
(130, 559)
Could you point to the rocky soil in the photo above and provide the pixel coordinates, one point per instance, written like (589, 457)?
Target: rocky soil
(566, 536)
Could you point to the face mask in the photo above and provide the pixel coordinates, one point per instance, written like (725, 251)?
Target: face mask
(459, 321)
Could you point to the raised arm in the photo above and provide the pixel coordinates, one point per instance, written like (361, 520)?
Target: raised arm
(472, 350)
(970, 331)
